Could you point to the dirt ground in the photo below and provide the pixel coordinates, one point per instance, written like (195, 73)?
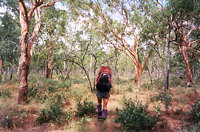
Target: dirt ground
(176, 117)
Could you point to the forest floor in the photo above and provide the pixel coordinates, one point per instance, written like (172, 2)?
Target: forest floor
(15, 117)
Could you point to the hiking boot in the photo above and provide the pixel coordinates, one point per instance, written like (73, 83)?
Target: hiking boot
(99, 111)
(104, 113)
(99, 115)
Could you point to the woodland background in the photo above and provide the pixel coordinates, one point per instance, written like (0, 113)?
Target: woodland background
(51, 52)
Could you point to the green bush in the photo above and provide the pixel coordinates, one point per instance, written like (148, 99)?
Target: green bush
(134, 116)
(85, 108)
(195, 111)
(53, 114)
(58, 97)
(176, 81)
(147, 85)
(5, 93)
(164, 97)
(6, 122)
(65, 84)
(158, 83)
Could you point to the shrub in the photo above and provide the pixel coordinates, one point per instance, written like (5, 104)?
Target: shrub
(163, 96)
(176, 81)
(134, 116)
(5, 93)
(85, 108)
(58, 97)
(146, 85)
(54, 114)
(65, 84)
(6, 122)
(195, 111)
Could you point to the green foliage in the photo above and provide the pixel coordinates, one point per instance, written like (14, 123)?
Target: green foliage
(146, 85)
(85, 108)
(195, 111)
(54, 113)
(176, 81)
(123, 85)
(134, 116)
(164, 97)
(5, 93)
(6, 122)
(158, 83)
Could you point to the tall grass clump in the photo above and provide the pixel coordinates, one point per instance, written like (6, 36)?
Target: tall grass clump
(135, 116)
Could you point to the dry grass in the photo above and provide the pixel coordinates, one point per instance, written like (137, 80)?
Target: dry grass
(23, 117)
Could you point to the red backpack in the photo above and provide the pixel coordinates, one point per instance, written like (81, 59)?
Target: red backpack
(103, 81)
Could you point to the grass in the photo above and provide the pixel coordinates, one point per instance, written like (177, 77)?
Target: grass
(76, 88)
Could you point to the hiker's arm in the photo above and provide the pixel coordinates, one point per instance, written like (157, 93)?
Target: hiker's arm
(111, 84)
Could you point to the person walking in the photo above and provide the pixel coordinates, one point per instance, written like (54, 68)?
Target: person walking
(103, 84)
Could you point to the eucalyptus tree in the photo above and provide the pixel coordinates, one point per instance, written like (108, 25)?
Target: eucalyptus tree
(120, 23)
(81, 46)
(186, 25)
(27, 9)
(50, 34)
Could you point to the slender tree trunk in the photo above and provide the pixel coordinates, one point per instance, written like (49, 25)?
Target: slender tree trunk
(24, 68)
(64, 69)
(116, 62)
(68, 71)
(49, 60)
(88, 77)
(149, 68)
(184, 51)
(188, 75)
(38, 77)
(5, 73)
(24, 58)
(168, 67)
(0, 65)
(73, 69)
(165, 69)
(94, 70)
(27, 43)
(11, 72)
(90, 64)
(0, 69)
(138, 77)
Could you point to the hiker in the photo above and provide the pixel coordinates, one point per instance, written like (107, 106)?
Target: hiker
(103, 84)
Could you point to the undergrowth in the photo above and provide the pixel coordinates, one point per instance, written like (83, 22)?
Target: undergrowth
(195, 112)
(54, 113)
(5, 93)
(135, 116)
(165, 97)
(85, 108)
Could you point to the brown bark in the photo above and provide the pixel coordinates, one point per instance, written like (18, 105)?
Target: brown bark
(27, 43)
(138, 77)
(184, 30)
(184, 52)
(48, 68)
